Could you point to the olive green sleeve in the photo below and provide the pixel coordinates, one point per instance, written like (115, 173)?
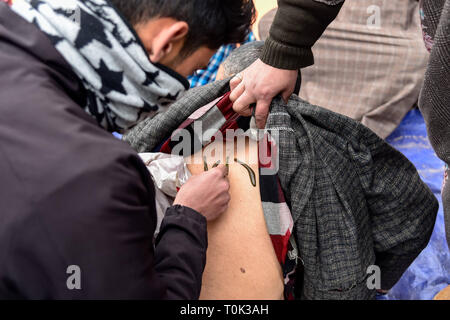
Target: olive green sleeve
(298, 24)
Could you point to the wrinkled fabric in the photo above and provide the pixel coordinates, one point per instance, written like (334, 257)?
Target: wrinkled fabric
(430, 271)
(355, 200)
(434, 98)
(371, 73)
(169, 173)
(218, 117)
(123, 86)
(73, 195)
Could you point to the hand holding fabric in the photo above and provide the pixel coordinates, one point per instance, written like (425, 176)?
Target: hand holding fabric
(259, 84)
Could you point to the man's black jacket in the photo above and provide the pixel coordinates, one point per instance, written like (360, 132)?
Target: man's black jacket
(72, 195)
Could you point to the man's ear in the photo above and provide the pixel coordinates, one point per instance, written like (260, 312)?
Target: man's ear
(167, 40)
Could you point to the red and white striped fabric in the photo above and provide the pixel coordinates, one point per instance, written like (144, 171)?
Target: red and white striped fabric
(220, 116)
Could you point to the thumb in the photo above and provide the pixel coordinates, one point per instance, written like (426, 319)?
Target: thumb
(286, 94)
(262, 112)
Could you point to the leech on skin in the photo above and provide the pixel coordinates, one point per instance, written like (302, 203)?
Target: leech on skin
(251, 173)
(205, 164)
(215, 165)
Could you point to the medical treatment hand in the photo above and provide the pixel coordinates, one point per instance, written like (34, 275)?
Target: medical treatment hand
(206, 193)
(260, 83)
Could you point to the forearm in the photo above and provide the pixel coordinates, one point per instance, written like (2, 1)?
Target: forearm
(297, 26)
(180, 254)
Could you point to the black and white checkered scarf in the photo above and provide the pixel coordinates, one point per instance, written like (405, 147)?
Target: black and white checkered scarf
(123, 85)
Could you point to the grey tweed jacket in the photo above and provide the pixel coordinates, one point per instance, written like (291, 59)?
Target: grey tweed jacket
(355, 200)
(434, 101)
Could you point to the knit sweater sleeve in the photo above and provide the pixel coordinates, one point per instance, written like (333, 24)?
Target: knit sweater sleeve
(298, 24)
(434, 99)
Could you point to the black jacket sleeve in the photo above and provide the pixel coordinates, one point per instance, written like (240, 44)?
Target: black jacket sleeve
(181, 269)
(297, 26)
(103, 222)
(76, 203)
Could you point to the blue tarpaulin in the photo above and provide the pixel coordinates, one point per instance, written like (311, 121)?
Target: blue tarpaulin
(430, 272)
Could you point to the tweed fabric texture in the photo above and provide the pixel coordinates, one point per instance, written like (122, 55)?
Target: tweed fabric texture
(355, 200)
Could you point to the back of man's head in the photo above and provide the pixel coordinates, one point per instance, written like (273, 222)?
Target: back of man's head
(212, 23)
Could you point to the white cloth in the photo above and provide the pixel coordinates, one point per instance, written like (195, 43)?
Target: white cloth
(169, 173)
(123, 86)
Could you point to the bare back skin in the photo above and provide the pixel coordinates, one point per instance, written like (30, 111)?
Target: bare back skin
(241, 262)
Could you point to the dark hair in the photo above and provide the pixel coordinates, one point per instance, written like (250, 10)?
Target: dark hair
(212, 23)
